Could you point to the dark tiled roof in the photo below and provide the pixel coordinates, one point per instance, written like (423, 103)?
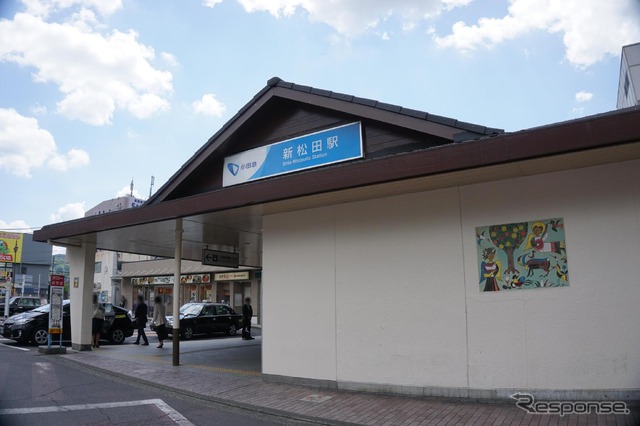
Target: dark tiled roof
(468, 131)
(469, 127)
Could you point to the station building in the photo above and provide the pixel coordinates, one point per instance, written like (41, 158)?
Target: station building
(407, 252)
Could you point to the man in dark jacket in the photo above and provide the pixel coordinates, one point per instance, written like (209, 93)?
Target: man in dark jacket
(247, 314)
(141, 320)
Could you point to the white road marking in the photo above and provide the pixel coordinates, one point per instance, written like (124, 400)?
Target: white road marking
(163, 406)
(14, 347)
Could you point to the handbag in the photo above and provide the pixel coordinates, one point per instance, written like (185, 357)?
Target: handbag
(98, 313)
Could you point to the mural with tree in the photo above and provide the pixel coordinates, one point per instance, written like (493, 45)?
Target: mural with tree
(534, 253)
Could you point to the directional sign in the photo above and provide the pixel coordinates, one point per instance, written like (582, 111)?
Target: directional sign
(55, 311)
(57, 280)
(220, 258)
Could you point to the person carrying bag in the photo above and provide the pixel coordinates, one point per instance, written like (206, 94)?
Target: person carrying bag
(159, 320)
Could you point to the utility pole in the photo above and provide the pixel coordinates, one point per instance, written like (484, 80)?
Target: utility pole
(151, 187)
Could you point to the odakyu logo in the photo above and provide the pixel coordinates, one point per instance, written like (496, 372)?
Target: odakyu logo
(233, 168)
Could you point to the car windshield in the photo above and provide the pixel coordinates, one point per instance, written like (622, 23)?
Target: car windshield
(191, 309)
(43, 308)
(47, 307)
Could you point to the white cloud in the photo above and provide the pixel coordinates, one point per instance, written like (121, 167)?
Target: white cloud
(73, 158)
(169, 59)
(211, 3)
(69, 211)
(38, 109)
(583, 96)
(126, 191)
(15, 225)
(209, 105)
(96, 73)
(354, 17)
(385, 36)
(25, 146)
(591, 29)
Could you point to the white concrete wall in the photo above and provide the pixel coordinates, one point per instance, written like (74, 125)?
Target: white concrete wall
(400, 291)
(386, 291)
(584, 336)
(299, 305)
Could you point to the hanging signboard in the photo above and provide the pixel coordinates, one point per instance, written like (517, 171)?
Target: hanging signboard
(55, 311)
(184, 279)
(231, 276)
(317, 149)
(220, 258)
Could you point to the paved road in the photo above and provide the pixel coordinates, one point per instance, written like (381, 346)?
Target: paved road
(36, 390)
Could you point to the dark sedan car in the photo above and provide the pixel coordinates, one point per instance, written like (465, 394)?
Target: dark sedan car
(32, 326)
(206, 318)
(19, 304)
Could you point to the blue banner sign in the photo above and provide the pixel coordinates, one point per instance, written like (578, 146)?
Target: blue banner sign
(318, 149)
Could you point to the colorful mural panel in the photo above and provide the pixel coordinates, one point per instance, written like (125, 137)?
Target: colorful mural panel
(522, 255)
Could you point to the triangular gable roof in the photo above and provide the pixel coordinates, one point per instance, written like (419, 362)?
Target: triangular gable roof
(420, 121)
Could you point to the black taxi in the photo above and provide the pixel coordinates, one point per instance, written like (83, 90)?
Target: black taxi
(32, 326)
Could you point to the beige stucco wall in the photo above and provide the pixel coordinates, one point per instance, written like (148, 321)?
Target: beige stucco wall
(386, 291)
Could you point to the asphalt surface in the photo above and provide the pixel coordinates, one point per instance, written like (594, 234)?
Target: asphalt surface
(38, 389)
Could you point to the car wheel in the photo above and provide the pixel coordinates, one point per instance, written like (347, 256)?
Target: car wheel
(40, 337)
(187, 333)
(232, 330)
(117, 336)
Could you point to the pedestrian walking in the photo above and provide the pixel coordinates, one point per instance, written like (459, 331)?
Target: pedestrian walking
(247, 314)
(159, 320)
(123, 302)
(141, 320)
(96, 322)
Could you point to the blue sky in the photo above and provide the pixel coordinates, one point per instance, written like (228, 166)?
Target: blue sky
(94, 93)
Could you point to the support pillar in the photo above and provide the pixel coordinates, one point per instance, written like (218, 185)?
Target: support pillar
(176, 292)
(214, 290)
(81, 271)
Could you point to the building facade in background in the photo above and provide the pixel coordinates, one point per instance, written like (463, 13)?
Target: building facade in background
(114, 205)
(629, 84)
(26, 264)
(108, 263)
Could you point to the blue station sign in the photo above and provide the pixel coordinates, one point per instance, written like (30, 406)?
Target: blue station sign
(318, 149)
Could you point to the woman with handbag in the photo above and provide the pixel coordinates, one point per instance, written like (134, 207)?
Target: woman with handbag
(159, 320)
(96, 322)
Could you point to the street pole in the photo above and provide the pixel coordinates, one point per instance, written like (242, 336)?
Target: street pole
(177, 258)
(13, 265)
(7, 294)
(38, 286)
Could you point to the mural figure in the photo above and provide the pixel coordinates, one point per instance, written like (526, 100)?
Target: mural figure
(490, 269)
(534, 252)
(538, 240)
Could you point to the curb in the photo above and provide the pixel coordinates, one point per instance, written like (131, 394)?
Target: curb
(209, 398)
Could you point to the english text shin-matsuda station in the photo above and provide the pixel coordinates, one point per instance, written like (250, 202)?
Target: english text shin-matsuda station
(407, 252)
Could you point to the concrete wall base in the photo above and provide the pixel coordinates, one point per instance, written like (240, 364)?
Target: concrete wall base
(54, 350)
(322, 384)
(484, 395)
(79, 347)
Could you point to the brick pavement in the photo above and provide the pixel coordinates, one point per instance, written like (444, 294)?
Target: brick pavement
(251, 392)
